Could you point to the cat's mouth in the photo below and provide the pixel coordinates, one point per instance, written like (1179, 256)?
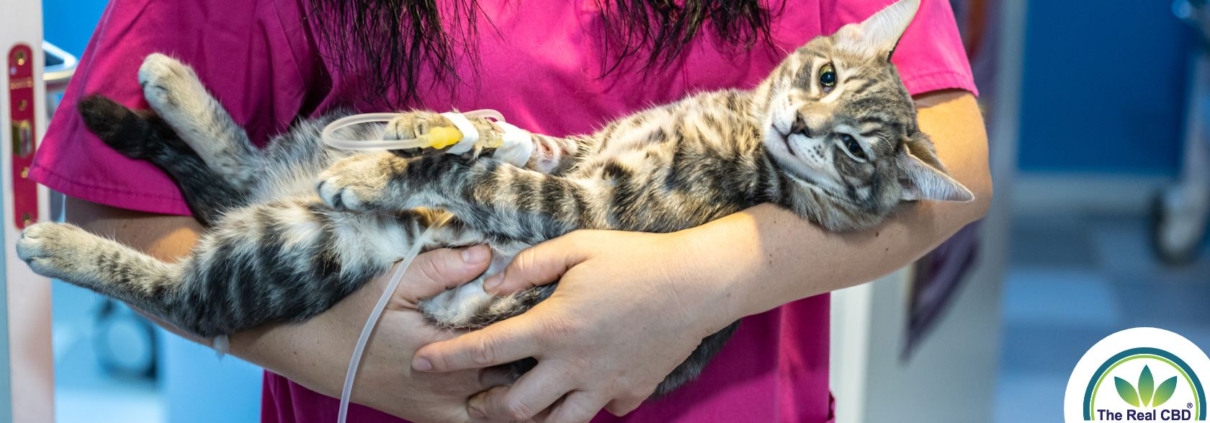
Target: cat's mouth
(785, 138)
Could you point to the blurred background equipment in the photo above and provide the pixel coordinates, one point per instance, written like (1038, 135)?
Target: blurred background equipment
(59, 67)
(124, 341)
(1183, 209)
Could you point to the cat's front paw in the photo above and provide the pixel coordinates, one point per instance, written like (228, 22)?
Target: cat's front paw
(360, 182)
(412, 125)
(55, 250)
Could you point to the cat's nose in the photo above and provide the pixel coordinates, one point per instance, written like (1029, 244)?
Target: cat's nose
(812, 124)
(800, 127)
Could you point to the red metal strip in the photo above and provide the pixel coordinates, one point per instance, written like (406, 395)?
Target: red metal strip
(24, 132)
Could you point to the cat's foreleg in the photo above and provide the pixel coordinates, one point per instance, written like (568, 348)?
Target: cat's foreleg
(548, 154)
(557, 155)
(508, 201)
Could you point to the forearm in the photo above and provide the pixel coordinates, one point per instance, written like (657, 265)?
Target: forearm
(164, 237)
(774, 257)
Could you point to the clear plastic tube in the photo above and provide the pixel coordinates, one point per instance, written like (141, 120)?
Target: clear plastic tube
(372, 321)
(329, 132)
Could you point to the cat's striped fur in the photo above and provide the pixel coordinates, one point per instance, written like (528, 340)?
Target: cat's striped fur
(842, 155)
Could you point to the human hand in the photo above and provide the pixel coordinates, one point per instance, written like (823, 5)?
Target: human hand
(629, 308)
(316, 353)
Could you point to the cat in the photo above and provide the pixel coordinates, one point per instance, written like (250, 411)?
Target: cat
(831, 135)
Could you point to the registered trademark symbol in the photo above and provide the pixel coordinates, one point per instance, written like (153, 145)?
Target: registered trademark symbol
(1189, 405)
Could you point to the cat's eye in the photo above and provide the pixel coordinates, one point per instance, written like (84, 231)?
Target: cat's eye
(853, 147)
(827, 77)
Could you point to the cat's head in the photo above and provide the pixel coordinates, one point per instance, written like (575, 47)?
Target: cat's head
(839, 121)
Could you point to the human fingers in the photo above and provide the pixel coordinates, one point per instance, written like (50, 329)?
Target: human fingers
(501, 343)
(538, 265)
(435, 271)
(534, 392)
(577, 407)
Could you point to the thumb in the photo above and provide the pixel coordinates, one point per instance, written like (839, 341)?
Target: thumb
(536, 266)
(435, 271)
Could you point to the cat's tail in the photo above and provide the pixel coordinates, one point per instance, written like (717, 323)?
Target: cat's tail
(144, 135)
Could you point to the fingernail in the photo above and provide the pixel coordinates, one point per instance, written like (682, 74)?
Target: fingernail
(421, 364)
(493, 282)
(475, 255)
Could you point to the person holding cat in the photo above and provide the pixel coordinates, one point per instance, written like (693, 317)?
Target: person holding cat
(630, 306)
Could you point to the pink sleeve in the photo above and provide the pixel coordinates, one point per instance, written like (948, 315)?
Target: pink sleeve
(930, 56)
(252, 55)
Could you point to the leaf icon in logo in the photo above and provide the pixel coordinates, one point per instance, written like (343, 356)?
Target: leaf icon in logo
(1164, 392)
(1146, 386)
(1126, 391)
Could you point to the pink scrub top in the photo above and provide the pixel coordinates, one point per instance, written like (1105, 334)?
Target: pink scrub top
(539, 63)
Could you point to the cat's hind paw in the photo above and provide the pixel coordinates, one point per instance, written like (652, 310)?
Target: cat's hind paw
(55, 250)
(360, 182)
(171, 87)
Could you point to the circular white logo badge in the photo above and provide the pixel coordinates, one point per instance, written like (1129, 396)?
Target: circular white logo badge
(1140, 374)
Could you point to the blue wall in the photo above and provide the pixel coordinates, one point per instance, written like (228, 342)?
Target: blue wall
(1104, 86)
(199, 387)
(69, 23)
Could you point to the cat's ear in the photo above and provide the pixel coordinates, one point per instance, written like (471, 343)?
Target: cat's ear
(879, 34)
(922, 181)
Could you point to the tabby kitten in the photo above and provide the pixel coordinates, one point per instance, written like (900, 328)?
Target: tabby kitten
(831, 135)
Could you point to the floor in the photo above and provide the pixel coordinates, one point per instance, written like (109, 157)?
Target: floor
(83, 392)
(191, 378)
(1074, 280)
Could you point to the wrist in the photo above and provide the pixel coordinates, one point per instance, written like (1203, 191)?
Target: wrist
(715, 275)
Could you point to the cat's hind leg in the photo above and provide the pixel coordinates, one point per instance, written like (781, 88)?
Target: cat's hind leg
(66, 252)
(275, 262)
(145, 136)
(175, 93)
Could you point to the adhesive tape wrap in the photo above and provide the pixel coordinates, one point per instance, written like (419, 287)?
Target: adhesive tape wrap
(470, 135)
(518, 145)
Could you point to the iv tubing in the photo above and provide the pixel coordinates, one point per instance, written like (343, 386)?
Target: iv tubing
(372, 321)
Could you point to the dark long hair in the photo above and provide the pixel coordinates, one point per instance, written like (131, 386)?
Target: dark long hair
(400, 38)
